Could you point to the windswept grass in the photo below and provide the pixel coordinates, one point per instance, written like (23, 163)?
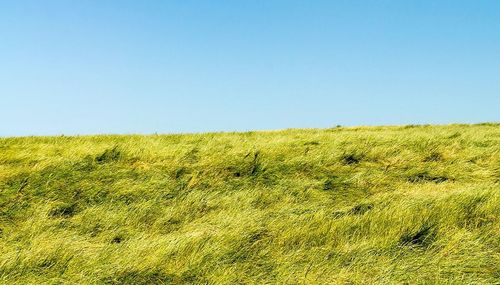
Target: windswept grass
(371, 205)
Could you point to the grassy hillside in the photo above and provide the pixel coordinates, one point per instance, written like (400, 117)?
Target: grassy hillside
(374, 205)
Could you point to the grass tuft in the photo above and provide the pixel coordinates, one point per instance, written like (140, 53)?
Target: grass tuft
(109, 155)
(64, 210)
(423, 236)
(426, 177)
(351, 158)
(433, 157)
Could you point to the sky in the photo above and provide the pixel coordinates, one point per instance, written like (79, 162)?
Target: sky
(122, 67)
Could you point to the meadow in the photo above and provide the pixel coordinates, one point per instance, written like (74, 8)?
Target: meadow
(416, 204)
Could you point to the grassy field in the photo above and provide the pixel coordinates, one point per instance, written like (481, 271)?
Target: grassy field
(368, 205)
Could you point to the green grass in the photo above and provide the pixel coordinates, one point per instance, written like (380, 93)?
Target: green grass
(368, 205)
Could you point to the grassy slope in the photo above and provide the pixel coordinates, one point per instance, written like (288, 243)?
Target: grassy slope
(378, 205)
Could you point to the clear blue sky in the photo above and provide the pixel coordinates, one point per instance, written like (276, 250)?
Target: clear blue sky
(85, 67)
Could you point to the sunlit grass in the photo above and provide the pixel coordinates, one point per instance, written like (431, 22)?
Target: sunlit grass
(371, 205)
